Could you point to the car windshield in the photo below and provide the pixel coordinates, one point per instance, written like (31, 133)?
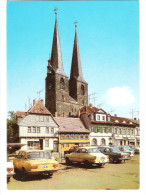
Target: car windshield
(39, 155)
(93, 150)
(116, 150)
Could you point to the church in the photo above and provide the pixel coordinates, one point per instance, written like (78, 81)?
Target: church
(64, 96)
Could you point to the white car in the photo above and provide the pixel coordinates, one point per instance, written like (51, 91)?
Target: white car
(127, 149)
(10, 170)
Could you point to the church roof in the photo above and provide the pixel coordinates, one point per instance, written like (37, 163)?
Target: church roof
(70, 125)
(76, 68)
(56, 56)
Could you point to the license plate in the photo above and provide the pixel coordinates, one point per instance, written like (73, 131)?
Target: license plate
(45, 166)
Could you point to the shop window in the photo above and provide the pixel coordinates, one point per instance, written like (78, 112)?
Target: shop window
(29, 130)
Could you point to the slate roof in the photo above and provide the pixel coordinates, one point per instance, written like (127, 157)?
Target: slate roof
(70, 125)
(56, 56)
(76, 68)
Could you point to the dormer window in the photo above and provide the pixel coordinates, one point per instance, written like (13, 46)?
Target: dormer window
(130, 123)
(116, 121)
(124, 121)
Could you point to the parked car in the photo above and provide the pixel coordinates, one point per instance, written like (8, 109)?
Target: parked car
(88, 156)
(136, 149)
(115, 155)
(10, 170)
(32, 162)
(127, 149)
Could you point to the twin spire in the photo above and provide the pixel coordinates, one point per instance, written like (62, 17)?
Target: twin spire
(56, 56)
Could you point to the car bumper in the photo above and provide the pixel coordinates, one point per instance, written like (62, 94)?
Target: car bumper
(41, 172)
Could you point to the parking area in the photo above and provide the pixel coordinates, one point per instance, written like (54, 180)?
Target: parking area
(76, 177)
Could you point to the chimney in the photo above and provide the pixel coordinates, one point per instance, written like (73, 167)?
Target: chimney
(115, 114)
(90, 105)
(42, 101)
(135, 119)
(33, 102)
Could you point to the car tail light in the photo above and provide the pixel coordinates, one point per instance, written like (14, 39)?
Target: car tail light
(9, 169)
(34, 166)
(55, 165)
(108, 156)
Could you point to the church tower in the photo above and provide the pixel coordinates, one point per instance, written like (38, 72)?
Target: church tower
(78, 87)
(56, 83)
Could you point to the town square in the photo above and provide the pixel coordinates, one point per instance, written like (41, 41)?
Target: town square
(73, 96)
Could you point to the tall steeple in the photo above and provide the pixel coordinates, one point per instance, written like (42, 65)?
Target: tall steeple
(56, 56)
(76, 68)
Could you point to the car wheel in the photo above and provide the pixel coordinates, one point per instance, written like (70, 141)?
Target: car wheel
(119, 161)
(86, 164)
(23, 175)
(68, 162)
(101, 165)
(111, 160)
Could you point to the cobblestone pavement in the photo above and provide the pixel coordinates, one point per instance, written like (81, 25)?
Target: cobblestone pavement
(111, 176)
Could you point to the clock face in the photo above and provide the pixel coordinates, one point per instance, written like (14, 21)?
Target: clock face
(50, 86)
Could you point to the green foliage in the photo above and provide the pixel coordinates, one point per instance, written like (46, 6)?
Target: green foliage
(11, 127)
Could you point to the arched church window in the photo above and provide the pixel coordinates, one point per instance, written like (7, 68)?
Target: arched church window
(62, 84)
(82, 90)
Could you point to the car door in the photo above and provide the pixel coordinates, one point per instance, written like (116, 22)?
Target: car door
(75, 156)
(84, 155)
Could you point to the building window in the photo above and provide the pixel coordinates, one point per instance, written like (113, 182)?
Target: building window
(62, 136)
(52, 129)
(103, 143)
(110, 130)
(38, 129)
(92, 129)
(123, 131)
(47, 129)
(67, 145)
(67, 136)
(46, 118)
(41, 118)
(34, 130)
(72, 136)
(62, 145)
(76, 136)
(81, 136)
(94, 142)
(29, 130)
(86, 136)
(37, 118)
(103, 118)
(98, 129)
(98, 117)
(132, 131)
(120, 131)
(127, 131)
(115, 130)
(81, 144)
(47, 142)
(104, 130)
(62, 85)
(82, 90)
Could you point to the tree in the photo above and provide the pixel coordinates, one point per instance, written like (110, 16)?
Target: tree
(11, 127)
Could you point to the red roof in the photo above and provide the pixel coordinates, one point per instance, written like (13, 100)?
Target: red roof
(70, 125)
(20, 114)
(39, 108)
(122, 121)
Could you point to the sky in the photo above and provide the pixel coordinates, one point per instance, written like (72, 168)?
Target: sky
(108, 36)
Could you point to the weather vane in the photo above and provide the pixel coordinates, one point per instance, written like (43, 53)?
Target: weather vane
(55, 10)
(75, 24)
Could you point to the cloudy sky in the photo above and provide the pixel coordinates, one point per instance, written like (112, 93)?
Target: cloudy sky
(108, 35)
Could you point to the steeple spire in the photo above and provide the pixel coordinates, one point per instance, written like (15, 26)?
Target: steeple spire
(56, 56)
(76, 68)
